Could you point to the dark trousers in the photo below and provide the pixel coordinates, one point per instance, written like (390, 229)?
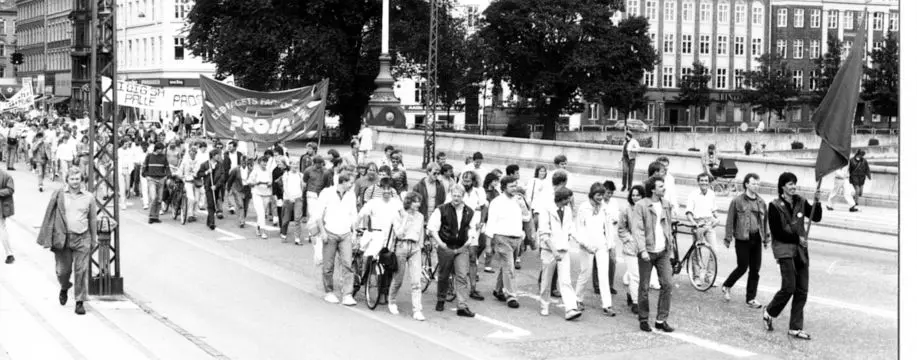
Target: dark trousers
(857, 193)
(664, 268)
(612, 264)
(795, 284)
(627, 176)
(211, 206)
(748, 255)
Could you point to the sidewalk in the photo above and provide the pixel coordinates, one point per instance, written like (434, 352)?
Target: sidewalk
(33, 324)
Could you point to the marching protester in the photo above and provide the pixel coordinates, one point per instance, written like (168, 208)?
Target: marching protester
(786, 216)
(69, 230)
(337, 218)
(11, 146)
(189, 167)
(450, 226)
(40, 154)
(476, 199)
(260, 181)
(379, 218)
(239, 190)
(859, 172)
(650, 228)
(7, 209)
(613, 212)
(746, 222)
(156, 170)
(504, 229)
(631, 277)
(292, 203)
(555, 231)
(701, 213)
(595, 236)
(212, 174)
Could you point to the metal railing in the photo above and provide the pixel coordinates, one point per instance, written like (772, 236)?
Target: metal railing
(703, 129)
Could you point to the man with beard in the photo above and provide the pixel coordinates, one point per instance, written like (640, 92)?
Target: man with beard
(476, 199)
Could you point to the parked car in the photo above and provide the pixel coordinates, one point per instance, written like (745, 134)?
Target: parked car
(633, 125)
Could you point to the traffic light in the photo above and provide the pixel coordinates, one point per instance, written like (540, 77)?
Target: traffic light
(16, 59)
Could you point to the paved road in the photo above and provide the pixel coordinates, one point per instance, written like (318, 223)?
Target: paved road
(248, 298)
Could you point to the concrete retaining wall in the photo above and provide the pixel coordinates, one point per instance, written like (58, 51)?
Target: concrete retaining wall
(889, 152)
(604, 160)
(724, 141)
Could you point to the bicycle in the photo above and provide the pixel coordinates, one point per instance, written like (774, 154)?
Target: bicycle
(178, 200)
(703, 271)
(428, 272)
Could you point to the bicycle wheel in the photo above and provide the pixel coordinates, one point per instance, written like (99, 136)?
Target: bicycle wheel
(373, 288)
(427, 272)
(184, 211)
(358, 273)
(702, 267)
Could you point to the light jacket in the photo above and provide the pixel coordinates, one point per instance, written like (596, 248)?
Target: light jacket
(552, 233)
(744, 211)
(643, 226)
(628, 244)
(53, 232)
(595, 228)
(6, 195)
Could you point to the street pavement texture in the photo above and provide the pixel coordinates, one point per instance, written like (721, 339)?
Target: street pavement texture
(227, 294)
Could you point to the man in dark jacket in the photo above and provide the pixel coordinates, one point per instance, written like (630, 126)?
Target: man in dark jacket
(156, 170)
(213, 175)
(432, 193)
(451, 226)
(6, 203)
(786, 218)
(859, 171)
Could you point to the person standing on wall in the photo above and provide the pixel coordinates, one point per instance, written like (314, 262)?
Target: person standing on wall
(629, 159)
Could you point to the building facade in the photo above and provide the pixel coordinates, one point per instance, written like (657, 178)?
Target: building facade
(43, 38)
(7, 41)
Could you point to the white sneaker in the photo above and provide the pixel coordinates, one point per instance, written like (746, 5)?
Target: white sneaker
(726, 295)
(392, 308)
(545, 309)
(146, 207)
(419, 316)
(329, 297)
(348, 301)
(264, 234)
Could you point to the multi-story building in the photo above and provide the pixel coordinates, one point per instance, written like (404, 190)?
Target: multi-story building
(801, 31)
(150, 50)
(43, 37)
(7, 41)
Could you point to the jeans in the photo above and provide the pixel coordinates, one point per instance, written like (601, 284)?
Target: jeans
(585, 260)
(857, 193)
(627, 173)
(292, 213)
(11, 155)
(155, 195)
(5, 237)
(505, 248)
(74, 258)
(211, 205)
(145, 191)
(795, 283)
(241, 201)
(748, 256)
(337, 245)
(453, 262)
(548, 265)
(408, 254)
(659, 261)
(191, 192)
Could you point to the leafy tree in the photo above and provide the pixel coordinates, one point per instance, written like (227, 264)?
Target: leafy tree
(827, 65)
(694, 89)
(271, 45)
(769, 87)
(559, 51)
(880, 88)
(460, 64)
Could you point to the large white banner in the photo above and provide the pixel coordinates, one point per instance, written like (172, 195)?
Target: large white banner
(23, 100)
(141, 96)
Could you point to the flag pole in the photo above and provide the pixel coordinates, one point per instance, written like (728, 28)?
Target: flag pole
(812, 213)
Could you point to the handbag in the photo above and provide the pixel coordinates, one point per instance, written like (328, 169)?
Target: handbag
(387, 257)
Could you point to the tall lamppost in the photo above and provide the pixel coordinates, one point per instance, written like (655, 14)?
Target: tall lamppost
(384, 107)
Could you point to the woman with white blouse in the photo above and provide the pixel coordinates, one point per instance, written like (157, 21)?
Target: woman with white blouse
(260, 180)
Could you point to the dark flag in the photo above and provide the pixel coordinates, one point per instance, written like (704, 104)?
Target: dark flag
(834, 116)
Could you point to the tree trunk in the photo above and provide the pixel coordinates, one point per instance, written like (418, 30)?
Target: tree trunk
(549, 121)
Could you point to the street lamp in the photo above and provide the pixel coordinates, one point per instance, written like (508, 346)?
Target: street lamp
(384, 107)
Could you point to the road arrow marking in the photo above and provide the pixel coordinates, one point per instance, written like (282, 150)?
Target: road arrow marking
(514, 332)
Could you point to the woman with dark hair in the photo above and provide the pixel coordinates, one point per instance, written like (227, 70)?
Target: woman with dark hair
(491, 186)
(409, 234)
(591, 226)
(786, 218)
(631, 277)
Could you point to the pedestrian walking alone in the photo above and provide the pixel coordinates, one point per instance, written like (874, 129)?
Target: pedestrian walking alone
(859, 172)
(746, 222)
(629, 159)
(69, 230)
(786, 215)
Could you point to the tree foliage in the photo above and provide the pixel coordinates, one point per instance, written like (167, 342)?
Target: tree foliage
(271, 45)
(694, 89)
(827, 65)
(461, 63)
(880, 88)
(769, 88)
(559, 51)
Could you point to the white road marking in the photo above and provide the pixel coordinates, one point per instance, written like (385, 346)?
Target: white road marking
(514, 332)
(831, 267)
(230, 236)
(887, 314)
(266, 227)
(712, 345)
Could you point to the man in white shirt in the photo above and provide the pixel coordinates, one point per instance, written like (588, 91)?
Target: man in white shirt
(630, 150)
(477, 166)
(476, 199)
(701, 210)
(337, 214)
(381, 214)
(366, 142)
(504, 228)
(651, 229)
(451, 229)
(595, 236)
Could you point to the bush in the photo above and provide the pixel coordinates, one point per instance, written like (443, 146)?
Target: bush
(646, 142)
(517, 130)
(873, 142)
(797, 145)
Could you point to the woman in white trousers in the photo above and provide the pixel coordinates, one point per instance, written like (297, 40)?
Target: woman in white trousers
(260, 180)
(631, 278)
(595, 235)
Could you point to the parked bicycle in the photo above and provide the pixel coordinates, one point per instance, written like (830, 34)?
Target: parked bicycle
(703, 266)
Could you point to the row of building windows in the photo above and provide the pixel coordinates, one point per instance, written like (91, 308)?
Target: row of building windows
(878, 19)
(148, 51)
(704, 44)
(149, 10)
(55, 61)
(720, 81)
(705, 11)
(31, 36)
(592, 113)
